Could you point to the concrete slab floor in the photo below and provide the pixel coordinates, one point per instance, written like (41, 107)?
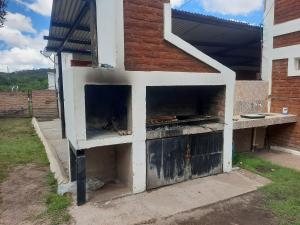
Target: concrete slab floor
(52, 132)
(167, 201)
(281, 158)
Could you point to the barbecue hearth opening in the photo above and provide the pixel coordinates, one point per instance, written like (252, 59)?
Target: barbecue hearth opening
(108, 110)
(184, 110)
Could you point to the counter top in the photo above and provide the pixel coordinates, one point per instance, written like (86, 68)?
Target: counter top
(269, 120)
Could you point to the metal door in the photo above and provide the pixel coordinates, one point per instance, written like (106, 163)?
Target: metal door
(172, 160)
(206, 154)
(166, 161)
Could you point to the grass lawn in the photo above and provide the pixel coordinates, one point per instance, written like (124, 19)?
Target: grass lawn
(19, 145)
(283, 194)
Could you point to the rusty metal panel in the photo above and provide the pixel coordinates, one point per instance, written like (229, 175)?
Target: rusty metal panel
(166, 161)
(172, 160)
(206, 154)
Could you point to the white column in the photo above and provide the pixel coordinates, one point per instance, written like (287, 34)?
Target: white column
(139, 137)
(138, 166)
(106, 29)
(139, 112)
(266, 70)
(228, 129)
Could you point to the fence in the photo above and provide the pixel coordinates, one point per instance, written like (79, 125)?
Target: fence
(44, 104)
(14, 104)
(40, 104)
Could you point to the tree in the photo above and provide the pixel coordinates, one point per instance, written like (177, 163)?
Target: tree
(3, 12)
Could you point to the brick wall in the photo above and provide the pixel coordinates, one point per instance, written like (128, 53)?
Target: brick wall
(285, 92)
(145, 47)
(286, 10)
(287, 40)
(285, 89)
(14, 104)
(44, 104)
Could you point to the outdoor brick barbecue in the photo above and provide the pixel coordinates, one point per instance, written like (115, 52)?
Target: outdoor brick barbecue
(144, 104)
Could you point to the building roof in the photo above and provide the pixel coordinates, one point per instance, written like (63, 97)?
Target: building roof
(232, 43)
(63, 17)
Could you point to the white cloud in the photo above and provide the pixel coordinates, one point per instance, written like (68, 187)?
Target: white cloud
(19, 22)
(232, 7)
(23, 57)
(13, 68)
(42, 7)
(15, 38)
(24, 44)
(177, 3)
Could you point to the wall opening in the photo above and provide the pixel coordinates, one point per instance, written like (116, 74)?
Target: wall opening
(234, 44)
(184, 101)
(112, 165)
(297, 64)
(180, 110)
(108, 110)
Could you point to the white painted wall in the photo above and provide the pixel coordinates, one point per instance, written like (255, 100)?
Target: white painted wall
(51, 81)
(69, 97)
(106, 30)
(110, 33)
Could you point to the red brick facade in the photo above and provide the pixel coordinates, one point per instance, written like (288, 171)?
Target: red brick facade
(285, 93)
(285, 89)
(287, 40)
(145, 47)
(286, 10)
(14, 104)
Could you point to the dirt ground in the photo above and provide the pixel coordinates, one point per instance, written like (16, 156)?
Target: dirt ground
(22, 196)
(22, 203)
(243, 210)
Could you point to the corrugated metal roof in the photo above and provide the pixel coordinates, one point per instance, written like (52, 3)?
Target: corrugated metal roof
(212, 19)
(234, 44)
(230, 42)
(65, 12)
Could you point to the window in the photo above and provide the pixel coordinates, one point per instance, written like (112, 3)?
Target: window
(294, 66)
(297, 63)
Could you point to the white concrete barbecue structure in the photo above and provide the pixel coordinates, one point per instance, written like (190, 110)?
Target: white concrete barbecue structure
(75, 79)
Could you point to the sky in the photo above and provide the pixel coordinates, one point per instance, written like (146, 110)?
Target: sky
(21, 38)
(249, 11)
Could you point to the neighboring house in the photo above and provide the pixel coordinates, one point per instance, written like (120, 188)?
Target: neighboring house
(52, 81)
(147, 96)
(281, 66)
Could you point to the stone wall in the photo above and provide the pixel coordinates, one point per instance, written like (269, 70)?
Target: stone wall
(145, 47)
(251, 97)
(14, 104)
